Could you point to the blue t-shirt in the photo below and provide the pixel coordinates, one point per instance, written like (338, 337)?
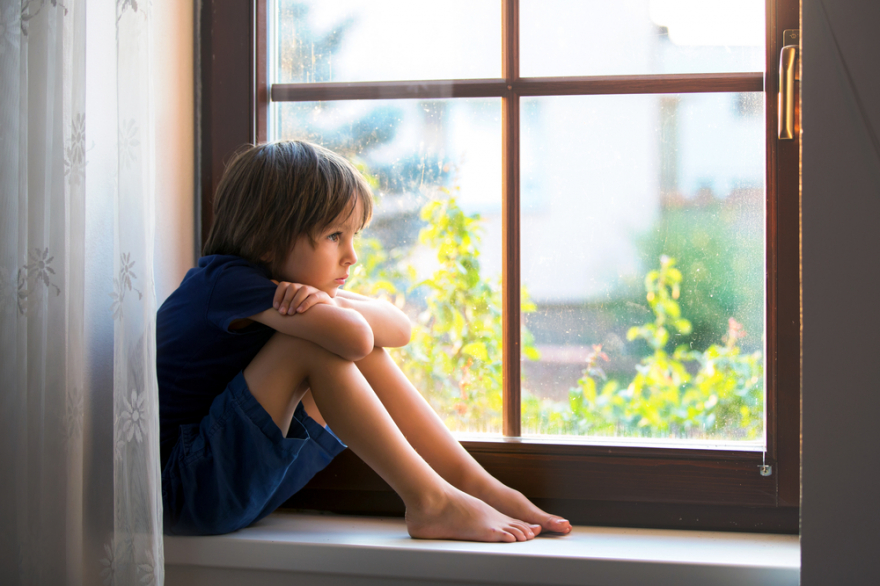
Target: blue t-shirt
(196, 353)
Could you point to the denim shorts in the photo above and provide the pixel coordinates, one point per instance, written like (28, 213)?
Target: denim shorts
(235, 467)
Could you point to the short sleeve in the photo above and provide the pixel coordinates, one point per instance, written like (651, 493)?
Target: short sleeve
(239, 290)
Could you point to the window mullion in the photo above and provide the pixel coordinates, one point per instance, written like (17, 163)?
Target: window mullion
(510, 304)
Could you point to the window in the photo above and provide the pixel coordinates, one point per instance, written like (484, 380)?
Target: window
(501, 116)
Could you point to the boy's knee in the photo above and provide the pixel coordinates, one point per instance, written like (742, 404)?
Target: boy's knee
(308, 353)
(378, 353)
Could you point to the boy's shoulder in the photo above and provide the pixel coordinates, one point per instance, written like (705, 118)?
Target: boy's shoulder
(216, 267)
(218, 273)
(221, 285)
(216, 263)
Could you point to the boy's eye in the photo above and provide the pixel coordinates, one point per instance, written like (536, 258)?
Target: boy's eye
(335, 236)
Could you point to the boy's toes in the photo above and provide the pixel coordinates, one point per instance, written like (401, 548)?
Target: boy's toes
(526, 530)
(517, 532)
(557, 525)
(507, 536)
(530, 530)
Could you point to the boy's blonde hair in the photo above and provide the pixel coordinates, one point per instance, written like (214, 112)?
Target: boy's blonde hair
(271, 194)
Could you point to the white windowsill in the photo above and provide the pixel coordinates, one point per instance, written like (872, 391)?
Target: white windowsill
(614, 441)
(331, 550)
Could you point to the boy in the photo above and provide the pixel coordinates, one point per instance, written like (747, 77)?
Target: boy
(259, 346)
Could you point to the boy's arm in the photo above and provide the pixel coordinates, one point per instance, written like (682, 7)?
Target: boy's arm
(340, 330)
(391, 327)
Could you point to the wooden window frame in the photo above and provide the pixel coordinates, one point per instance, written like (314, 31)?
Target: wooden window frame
(589, 484)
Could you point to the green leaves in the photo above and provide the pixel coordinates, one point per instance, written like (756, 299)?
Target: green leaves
(454, 357)
(723, 399)
(476, 350)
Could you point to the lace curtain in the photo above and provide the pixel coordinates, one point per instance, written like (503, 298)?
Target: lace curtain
(80, 498)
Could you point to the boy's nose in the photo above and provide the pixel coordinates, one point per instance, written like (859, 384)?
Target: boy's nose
(350, 256)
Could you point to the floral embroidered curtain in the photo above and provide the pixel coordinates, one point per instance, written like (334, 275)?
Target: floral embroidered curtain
(80, 499)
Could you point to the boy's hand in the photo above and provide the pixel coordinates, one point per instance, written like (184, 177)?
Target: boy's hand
(293, 298)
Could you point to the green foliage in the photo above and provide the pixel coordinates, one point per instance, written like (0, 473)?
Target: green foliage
(715, 253)
(664, 289)
(454, 357)
(724, 399)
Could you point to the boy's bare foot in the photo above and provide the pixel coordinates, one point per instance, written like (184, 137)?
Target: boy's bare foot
(512, 502)
(456, 515)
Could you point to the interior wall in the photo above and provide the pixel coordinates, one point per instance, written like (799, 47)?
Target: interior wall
(173, 60)
(840, 516)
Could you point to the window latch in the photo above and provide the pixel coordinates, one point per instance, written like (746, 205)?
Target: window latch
(788, 74)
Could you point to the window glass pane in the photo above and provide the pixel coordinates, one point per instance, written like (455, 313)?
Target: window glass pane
(643, 256)
(436, 170)
(629, 37)
(386, 40)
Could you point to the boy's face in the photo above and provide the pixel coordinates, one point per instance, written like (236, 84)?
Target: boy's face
(325, 265)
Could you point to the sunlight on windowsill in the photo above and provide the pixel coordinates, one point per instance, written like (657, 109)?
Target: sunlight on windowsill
(625, 442)
(329, 549)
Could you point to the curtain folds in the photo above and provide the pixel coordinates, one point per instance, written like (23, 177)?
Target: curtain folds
(80, 499)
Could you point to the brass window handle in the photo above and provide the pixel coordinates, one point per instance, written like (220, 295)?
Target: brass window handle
(788, 74)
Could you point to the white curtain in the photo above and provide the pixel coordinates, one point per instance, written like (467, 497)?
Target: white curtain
(80, 499)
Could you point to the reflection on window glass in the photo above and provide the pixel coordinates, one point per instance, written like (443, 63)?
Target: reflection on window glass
(434, 243)
(386, 40)
(618, 37)
(642, 254)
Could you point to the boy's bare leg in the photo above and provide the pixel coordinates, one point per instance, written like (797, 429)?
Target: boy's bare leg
(311, 408)
(279, 376)
(430, 437)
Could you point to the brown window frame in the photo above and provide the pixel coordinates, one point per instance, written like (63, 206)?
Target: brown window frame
(597, 485)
